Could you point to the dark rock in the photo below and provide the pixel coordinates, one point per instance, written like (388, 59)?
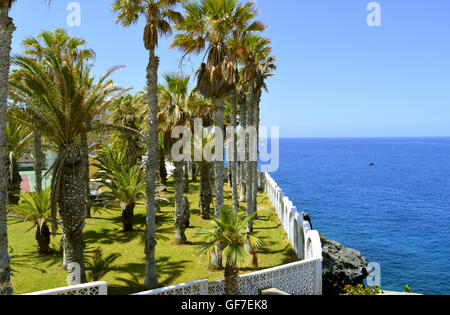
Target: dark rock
(341, 266)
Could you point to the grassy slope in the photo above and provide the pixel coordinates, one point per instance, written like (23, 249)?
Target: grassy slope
(175, 264)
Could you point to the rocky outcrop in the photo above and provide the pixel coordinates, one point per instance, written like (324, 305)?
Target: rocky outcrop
(341, 266)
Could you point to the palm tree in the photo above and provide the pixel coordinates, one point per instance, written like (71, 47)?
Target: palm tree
(18, 139)
(6, 30)
(59, 42)
(61, 101)
(36, 208)
(159, 14)
(205, 189)
(210, 25)
(229, 236)
(128, 111)
(125, 182)
(258, 66)
(173, 97)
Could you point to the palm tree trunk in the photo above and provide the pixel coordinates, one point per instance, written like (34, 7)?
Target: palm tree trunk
(131, 144)
(205, 190)
(255, 163)
(231, 279)
(85, 159)
(194, 170)
(186, 213)
(219, 107)
(180, 237)
(128, 216)
(242, 166)
(14, 181)
(233, 159)
(248, 167)
(162, 167)
(38, 161)
(151, 278)
(42, 236)
(72, 209)
(186, 176)
(6, 30)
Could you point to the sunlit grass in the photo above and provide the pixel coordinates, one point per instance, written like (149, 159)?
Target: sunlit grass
(175, 264)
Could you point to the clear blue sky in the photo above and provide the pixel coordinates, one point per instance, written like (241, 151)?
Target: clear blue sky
(337, 76)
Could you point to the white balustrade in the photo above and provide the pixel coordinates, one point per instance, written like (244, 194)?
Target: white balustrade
(93, 288)
(199, 287)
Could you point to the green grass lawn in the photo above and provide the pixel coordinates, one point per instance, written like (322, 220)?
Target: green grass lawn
(175, 264)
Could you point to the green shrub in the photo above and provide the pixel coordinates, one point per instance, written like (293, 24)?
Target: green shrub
(361, 290)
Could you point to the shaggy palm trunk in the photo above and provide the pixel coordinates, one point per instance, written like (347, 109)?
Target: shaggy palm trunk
(162, 167)
(249, 147)
(186, 177)
(85, 159)
(242, 165)
(72, 210)
(6, 30)
(127, 216)
(219, 107)
(248, 167)
(38, 161)
(233, 159)
(180, 237)
(254, 163)
(187, 212)
(205, 190)
(42, 236)
(14, 181)
(194, 171)
(131, 148)
(151, 279)
(231, 279)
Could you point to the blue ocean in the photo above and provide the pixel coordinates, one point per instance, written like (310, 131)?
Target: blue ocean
(397, 213)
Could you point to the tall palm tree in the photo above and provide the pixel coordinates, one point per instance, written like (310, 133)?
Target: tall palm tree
(258, 66)
(209, 25)
(59, 42)
(159, 14)
(229, 236)
(173, 97)
(6, 30)
(61, 101)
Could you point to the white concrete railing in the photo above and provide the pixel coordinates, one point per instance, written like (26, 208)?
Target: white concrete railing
(199, 287)
(299, 278)
(93, 288)
(305, 241)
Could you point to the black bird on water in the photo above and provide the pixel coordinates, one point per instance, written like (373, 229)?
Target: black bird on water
(372, 164)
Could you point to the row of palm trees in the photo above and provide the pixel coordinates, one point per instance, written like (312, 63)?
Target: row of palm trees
(60, 100)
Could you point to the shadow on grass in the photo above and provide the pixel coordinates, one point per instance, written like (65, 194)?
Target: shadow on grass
(134, 284)
(109, 236)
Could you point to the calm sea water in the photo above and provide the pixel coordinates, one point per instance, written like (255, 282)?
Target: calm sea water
(397, 214)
